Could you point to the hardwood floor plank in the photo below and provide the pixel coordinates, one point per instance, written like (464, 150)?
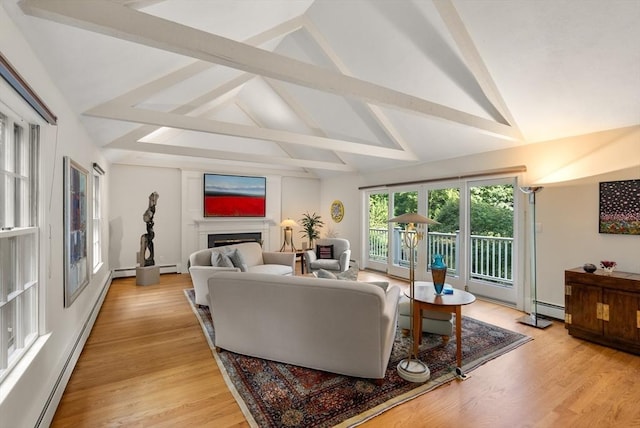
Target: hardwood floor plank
(147, 363)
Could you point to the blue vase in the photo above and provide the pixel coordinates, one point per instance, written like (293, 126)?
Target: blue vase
(438, 272)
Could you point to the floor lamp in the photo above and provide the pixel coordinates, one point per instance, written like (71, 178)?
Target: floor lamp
(411, 368)
(533, 319)
(288, 225)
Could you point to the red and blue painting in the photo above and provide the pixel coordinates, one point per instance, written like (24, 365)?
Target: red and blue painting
(234, 196)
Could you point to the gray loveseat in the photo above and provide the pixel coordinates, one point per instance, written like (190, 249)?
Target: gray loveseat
(252, 256)
(344, 327)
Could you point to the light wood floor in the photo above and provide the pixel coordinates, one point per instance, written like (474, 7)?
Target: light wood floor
(147, 363)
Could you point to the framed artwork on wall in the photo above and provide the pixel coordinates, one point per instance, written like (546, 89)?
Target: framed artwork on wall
(620, 207)
(76, 260)
(234, 196)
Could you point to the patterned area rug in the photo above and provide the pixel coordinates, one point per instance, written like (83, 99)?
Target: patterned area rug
(274, 394)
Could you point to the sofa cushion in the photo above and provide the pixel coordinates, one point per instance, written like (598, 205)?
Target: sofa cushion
(238, 260)
(252, 253)
(324, 251)
(326, 264)
(271, 269)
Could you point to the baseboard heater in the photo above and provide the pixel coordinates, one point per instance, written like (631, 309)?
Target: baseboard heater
(551, 310)
(131, 271)
(48, 411)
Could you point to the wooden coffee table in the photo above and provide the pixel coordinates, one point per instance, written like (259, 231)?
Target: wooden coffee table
(425, 298)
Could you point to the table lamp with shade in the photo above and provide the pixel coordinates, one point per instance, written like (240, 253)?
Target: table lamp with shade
(288, 225)
(411, 368)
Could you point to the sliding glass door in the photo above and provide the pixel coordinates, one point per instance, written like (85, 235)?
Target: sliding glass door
(491, 239)
(476, 236)
(378, 232)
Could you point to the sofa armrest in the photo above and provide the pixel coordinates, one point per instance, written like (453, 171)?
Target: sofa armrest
(278, 258)
(200, 276)
(389, 319)
(344, 260)
(308, 258)
(392, 299)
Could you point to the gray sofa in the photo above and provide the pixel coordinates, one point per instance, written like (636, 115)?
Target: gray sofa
(344, 327)
(255, 261)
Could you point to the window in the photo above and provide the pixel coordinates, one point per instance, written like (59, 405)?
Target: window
(97, 221)
(19, 144)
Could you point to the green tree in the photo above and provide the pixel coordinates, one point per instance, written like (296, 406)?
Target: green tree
(491, 220)
(444, 207)
(378, 210)
(492, 210)
(405, 202)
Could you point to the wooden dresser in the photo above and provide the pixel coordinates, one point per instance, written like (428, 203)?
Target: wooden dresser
(604, 308)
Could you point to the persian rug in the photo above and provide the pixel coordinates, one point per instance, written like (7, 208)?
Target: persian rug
(273, 394)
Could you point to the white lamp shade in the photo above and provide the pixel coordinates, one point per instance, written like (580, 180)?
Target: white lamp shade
(414, 218)
(288, 223)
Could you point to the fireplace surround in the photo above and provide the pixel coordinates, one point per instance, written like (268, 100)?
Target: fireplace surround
(221, 239)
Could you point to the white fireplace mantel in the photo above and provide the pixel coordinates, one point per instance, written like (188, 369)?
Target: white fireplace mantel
(206, 226)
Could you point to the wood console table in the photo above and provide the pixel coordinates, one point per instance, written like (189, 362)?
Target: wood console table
(604, 308)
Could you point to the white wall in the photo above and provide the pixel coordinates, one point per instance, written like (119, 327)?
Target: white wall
(568, 215)
(299, 195)
(24, 394)
(129, 198)
(344, 189)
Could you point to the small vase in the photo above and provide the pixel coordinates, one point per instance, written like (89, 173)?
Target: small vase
(439, 273)
(608, 270)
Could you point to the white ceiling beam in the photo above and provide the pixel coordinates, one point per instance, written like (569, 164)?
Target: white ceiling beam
(118, 21)
(149, 117)
(147, 90)
(137, 134)
(474, 61)
(226, 155)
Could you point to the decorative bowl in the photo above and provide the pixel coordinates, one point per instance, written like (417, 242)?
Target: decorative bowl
(589, 267)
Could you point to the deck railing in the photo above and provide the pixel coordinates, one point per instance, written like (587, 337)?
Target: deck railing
(490, 257)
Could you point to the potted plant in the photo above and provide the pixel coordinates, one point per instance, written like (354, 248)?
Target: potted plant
(311, 224)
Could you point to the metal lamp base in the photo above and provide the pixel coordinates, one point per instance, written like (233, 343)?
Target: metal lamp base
(534, 321)
(413, 370)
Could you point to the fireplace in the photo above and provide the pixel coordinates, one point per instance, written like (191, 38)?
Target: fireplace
(221, 239)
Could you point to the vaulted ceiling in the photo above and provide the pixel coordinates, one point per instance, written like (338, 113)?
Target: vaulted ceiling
(318, 87)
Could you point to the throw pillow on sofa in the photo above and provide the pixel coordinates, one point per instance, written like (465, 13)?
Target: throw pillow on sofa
(238, 260)
(225, 261)
(350, 274)
(215, 259)
(324, 251)
(321, 273)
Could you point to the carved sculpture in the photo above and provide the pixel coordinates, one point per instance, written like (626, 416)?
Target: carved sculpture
(146, 240)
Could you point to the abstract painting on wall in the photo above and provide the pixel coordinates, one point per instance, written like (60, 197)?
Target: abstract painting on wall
(620, 207)
(234, 196)
(76, 260)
